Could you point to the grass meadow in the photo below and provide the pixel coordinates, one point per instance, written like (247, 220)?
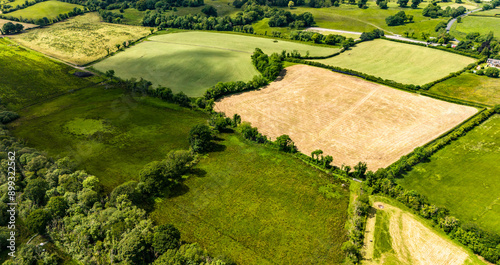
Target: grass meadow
(28, 77)
(483, 25)
(50, 9)
(467, 175)
(257, 205)
(109, 133)
(13, 4)
(471, 87)
(80, 40)
(401, 237)
(194, 61)
(131, 16)
(404, 63)
(492, 12)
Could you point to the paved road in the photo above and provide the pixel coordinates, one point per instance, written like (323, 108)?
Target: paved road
(448, 27)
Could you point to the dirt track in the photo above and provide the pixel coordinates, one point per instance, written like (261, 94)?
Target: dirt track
(346, 117)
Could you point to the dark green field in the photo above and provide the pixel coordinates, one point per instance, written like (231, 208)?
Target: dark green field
(111, 134)
(259, 206)
(27, 77)
(467, 175)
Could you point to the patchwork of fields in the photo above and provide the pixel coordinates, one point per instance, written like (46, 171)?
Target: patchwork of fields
(259, 206)
(192, 62)
(467, 176)
(346, 117)
(404, 63)
(49, 9)
(80, 40)
(403, 238)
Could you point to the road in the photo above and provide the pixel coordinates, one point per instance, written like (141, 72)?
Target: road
(448, 27)
(394, 37)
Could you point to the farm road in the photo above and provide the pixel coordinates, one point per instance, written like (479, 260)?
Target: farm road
(394, 37)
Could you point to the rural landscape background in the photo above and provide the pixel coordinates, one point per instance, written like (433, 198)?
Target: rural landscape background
(249, 132)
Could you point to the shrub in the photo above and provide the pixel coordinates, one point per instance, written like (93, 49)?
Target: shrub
(492, 72)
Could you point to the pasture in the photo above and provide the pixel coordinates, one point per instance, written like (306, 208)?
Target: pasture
(49, 9)
(194, 61)
(13, 4)
(259, 206)
(483, 25)
(108, 132)
(131, 16)
(347, 117)
(26, 25)
(28, 77)
(489, 13)
(403, 238)
(224, 8)
(352, 18)
(80, 40)
(471, 87)
(467, 175)
(404, 63)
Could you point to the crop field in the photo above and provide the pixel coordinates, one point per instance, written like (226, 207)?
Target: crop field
(80, 40)
(28, 77)
(403, 238)
(50, 9)
(348, 118)
(109, 133)
(483, 25)
(194, 61)
(404, 63)
(471, 87)
(259, 206)
(26, 25)
(467, 175)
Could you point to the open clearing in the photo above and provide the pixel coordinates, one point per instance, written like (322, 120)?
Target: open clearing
(404, 63)
(483, 25)
(467, 175)
(194, 61)
(50, 9)
(26, 25)
(108, 132)
(80, 40)
(27, 77)
(403, 238)
(471, 87)
(346, 117)
(257, 205)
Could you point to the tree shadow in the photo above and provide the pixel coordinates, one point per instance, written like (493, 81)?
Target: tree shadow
(215, 147)
(177, 190)
(198, 172)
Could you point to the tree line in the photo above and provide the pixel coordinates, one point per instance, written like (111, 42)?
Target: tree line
(45, 21)
(7, 8)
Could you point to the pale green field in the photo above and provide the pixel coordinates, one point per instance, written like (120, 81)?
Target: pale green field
(404, 63)
(50, 9)
(491, 12)
(194, 61)
(483, 25)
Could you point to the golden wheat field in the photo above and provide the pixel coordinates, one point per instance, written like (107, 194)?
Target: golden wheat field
(80, 40)
(347, 117)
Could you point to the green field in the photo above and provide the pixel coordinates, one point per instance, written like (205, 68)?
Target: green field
(13, 4)
(492, 12)
(109, 133)
(28, 77)
(82, 39)
(467, 175)
(194, 61)
(483, 25)
(259, 206)
(50, 9)
(471, 87)
(131, 16)
(352, 18)
(404, 63)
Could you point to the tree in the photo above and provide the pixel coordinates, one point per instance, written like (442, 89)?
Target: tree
(35, 190)
(37, 221)
(166, 237)
(403, 3)
(10, 28)
(199, 138)
(285, 143)
(327, 160)
(291, 4)
(415, 3)
(57, 206)
(492, 72)
(459, 19)
(316, 153)
(110, 73)
(360, 170)
(209, 11)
